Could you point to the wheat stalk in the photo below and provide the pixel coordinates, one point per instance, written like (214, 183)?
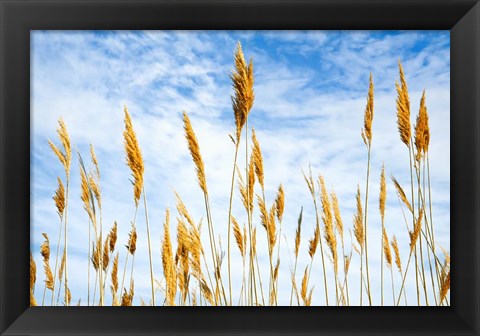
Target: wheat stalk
(134, 157)
(382, 207)
(279, 209)
(367, 138)
(114, 278)
(33, 279)
(403, 108)
(65, 158)
(60, 202)
(242, 82)
(339, 228)
(444, 278)
(401, 193)
(316, 240)
(242, 101)
(194, 149)
(368, 116)
(359, 233)
(168, 262)
(329, 232)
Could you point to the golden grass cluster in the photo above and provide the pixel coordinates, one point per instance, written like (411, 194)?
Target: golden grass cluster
(193, 271)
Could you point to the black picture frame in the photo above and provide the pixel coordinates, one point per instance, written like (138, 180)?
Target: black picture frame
(18, 17)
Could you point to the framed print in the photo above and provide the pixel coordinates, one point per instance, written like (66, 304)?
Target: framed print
(239, 167)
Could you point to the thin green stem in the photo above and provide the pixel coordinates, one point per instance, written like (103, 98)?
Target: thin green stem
(253, 286)
(101, 259)
(259, 274)
(294, 274)
(229, 219)
(428, 233)
(404, 277)
(361, 275)
(88, 266)
(56, 261)
(66, 239)
(381, 258)
(149, 246)
(393, 286)
(420, 238)
(410, 153)
(366, 234)
(321, 250)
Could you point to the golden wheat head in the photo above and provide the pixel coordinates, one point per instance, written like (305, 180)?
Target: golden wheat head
(133, 156)
(298, 233)
(93, 157)
(337, 215)
(251, 183)
(272, 229)
(444, 277)
(64, 156)
(368, 117)
(45, 248)
(268, 222)
(112, 237)
(95, 188)
(327, 216)
(280, 202)
(33, 302)
(303, 291)
(33, 279)
(68, 297)
(45, 251)
(386, 248)
(313, 242)
(422, 130)
(106, 255)
(168, 262)
(195, 152)
(403, 108)
(254, 241)
(237, 233)
(114, 276)
(62, 265)
(97, 250)
(86, 196)
(242, 82)
(182, 210)
(59, 198)
(132, 240)
(258, 159)
(415, 234)
(402, 194)
(309, 181)
(358, 221)
(383, 194)
(127, 297)
(444, 286)
(396, 250)
(33, 272)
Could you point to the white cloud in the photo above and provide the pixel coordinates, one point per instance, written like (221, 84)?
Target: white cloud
(302, 115)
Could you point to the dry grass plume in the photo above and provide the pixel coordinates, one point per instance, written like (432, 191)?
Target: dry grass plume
(403, 108)
(168, 262)
(368, 117)
(194, 148)
(242, 81)
(133, 156)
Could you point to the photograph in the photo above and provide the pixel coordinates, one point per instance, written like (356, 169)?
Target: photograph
(240, 168)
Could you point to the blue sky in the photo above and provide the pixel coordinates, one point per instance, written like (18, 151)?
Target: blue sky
(310, 92)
